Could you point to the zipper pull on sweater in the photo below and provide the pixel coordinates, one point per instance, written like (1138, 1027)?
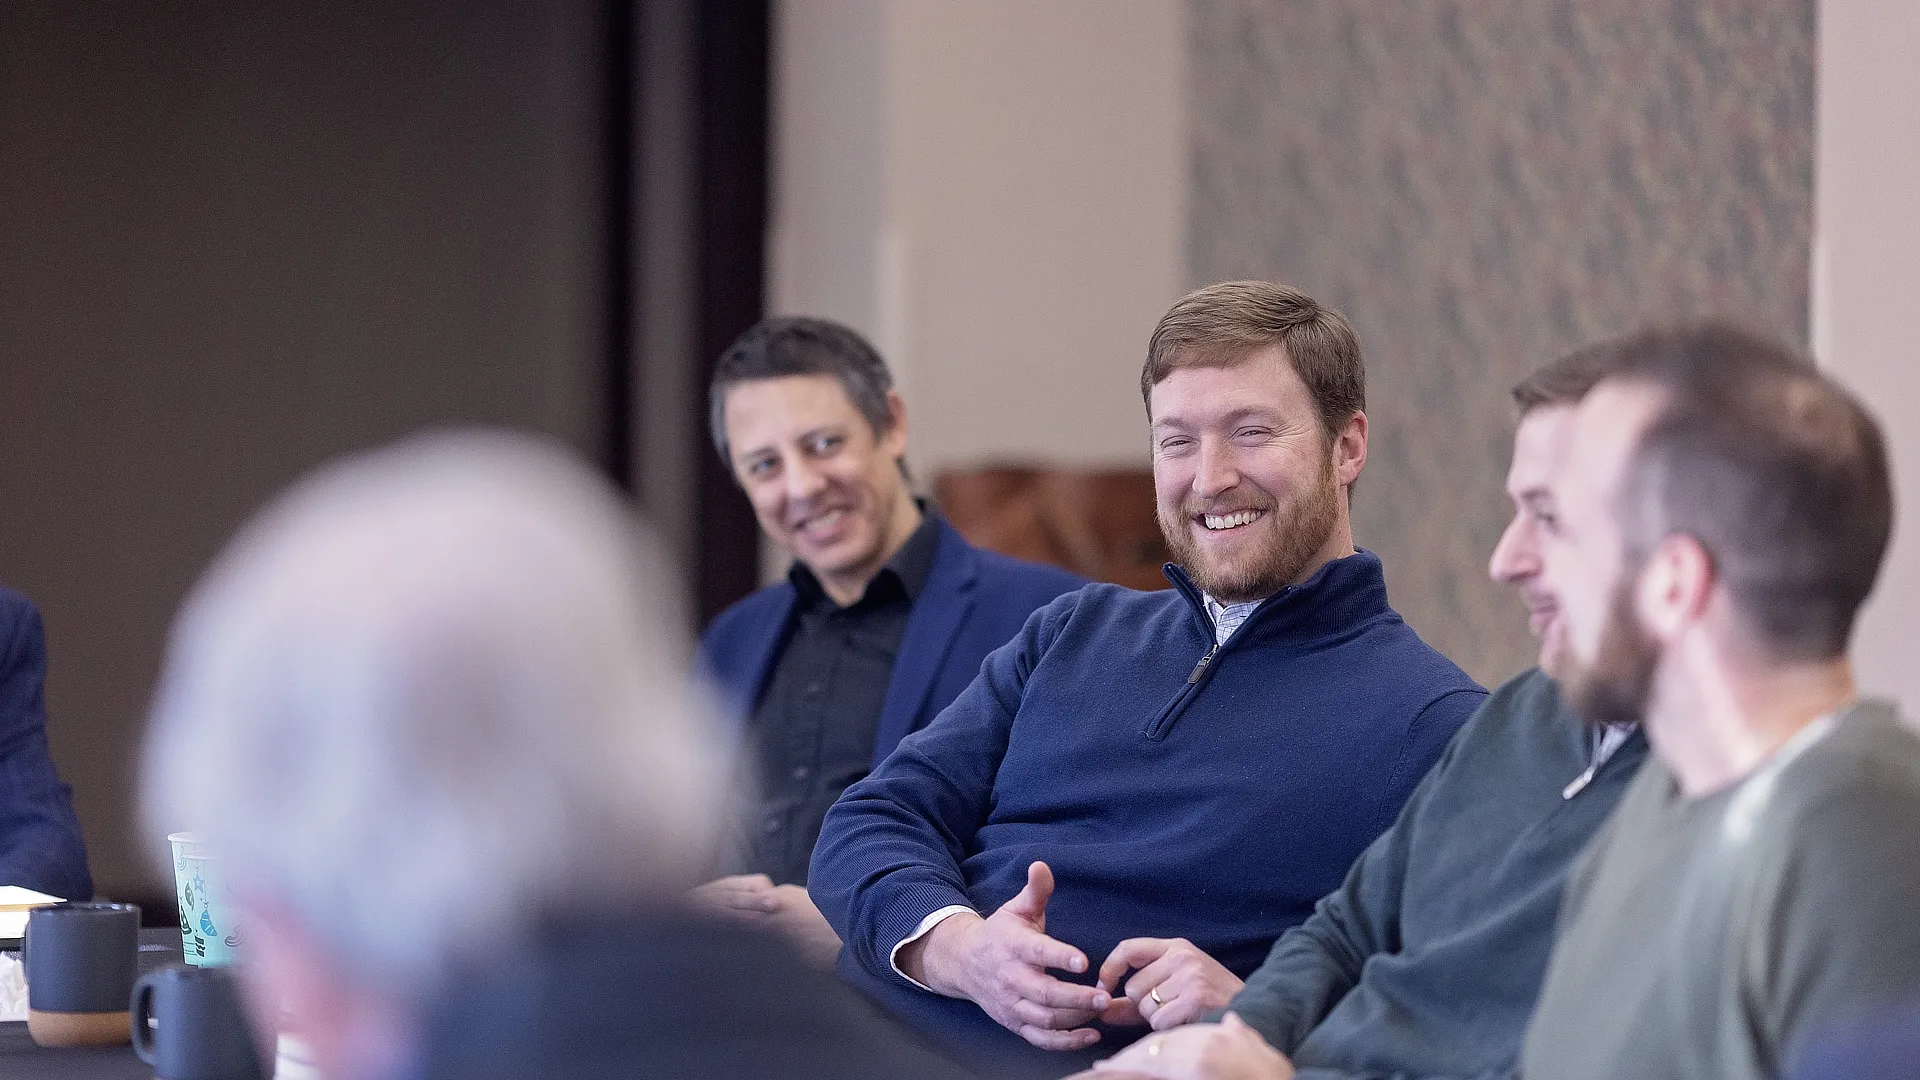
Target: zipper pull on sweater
(1580, 782)
(1157, 728)
(1200, 668)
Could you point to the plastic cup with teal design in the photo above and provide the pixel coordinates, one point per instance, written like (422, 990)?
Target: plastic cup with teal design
(185, 844)
(214, 940)
(207, 934)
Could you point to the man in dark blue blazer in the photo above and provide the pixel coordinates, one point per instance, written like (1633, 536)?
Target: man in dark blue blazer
(883, 619)
(40, 845)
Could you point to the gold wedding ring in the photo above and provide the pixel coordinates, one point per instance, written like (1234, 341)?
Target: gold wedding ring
(1155, 995)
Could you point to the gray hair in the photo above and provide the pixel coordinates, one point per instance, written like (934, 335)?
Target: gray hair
(787, 345)
(431, 694)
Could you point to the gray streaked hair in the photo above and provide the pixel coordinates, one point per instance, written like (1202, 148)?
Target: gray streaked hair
(784, 346)
(433, 693)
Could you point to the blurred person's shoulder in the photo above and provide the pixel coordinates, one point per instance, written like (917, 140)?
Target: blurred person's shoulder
(1881, 1046)
(22, 639)
(1828, 824)
(1867, 760)
(16, 611)
(661, 996)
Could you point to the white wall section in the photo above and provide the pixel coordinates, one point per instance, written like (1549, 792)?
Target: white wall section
(1866, 276)
(994, 191)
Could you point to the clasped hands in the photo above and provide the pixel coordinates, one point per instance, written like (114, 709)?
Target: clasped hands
(1001, 963)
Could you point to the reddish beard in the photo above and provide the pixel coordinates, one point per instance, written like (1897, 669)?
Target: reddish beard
(1300, 530)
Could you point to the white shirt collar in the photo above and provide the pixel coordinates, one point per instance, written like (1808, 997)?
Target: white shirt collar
(1227, 617)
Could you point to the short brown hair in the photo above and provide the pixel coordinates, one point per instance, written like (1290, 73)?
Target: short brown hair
(1566, 380)
(1708, 345)
(1218, 326)
(1776, 470)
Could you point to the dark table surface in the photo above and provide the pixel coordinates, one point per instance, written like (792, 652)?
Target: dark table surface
(20, 1058)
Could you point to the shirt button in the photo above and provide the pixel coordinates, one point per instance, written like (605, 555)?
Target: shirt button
(771, 826)
(813, 689)
(801, 772)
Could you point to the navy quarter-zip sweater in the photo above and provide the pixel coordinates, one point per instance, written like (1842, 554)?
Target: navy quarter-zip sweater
(1213, 801)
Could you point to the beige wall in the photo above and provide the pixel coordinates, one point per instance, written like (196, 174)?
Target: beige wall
(1866, 276)
(994, 191)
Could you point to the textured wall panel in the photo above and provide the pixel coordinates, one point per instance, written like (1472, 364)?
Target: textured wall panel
(1482, 185)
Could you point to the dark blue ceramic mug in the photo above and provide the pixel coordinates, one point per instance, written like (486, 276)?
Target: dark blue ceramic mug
(188, 1024)
(80, 959)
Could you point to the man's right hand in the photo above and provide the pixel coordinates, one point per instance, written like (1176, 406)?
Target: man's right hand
(1228, 1050)
(1000, 963)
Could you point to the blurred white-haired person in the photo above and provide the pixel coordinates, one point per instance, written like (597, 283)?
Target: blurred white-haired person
(430, 713)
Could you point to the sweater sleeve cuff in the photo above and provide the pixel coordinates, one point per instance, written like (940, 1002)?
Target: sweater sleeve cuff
(926, 925)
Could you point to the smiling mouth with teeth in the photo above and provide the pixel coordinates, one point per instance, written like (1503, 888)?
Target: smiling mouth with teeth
(825, 519)
(1219, 522)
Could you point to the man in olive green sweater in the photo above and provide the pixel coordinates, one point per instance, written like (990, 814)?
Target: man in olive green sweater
(1715, 529)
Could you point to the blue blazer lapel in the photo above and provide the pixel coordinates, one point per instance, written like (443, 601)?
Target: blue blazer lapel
(760, 647)
(939, 612)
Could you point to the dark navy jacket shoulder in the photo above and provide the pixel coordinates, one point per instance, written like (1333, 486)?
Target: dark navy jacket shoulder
(558, 1004)
(974, 601)
(40, 844)
(1210, 801)
(1883, 1046)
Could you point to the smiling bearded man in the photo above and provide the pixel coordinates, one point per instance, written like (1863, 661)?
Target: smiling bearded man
(1200, 763)
(1719, 528)
(1301, 529)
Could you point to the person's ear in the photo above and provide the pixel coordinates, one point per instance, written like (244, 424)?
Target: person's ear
(1674, 588)
(894, 442)
(1350, 450)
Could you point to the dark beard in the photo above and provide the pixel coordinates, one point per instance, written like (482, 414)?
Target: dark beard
(1618, 686)
(1314, 517)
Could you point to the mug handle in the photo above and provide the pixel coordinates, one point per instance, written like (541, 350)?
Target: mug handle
(141, 1010)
